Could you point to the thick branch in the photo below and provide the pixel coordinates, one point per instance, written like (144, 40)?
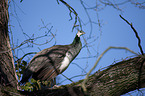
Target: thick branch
(116, 80)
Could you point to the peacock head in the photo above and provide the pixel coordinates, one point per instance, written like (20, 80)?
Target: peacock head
(80, 33)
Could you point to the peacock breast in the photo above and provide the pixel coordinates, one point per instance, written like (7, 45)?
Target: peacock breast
(66, 61)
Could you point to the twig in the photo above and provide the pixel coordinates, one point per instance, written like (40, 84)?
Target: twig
(136, 34)
(72, 10)
(67, 78)
(111, 47)
(91, 26)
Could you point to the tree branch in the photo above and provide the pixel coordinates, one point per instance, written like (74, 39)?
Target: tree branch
(136, 34)
(72, 10)
(139, 45)
(95, 65)
(116, 80)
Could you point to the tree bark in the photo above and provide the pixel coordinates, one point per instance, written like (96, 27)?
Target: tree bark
(116, 80)
(7, 70)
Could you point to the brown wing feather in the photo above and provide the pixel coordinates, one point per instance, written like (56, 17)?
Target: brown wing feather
(44, 63)
(46, 74)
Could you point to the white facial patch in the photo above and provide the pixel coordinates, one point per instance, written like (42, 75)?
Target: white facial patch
(79, 34)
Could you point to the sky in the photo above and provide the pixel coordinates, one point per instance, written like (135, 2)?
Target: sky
(27, 20)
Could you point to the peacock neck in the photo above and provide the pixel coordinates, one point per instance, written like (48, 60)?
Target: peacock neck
(76, 41)
(76, 45)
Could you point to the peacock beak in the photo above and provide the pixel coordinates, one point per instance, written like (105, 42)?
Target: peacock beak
(82, 32)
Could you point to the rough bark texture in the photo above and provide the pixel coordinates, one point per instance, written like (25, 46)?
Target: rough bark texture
(116, 80)
(7, 70)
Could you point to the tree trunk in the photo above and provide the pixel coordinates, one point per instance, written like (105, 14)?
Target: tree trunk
(7, 70)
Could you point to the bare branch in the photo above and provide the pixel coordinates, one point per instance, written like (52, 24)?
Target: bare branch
(72, 10)
(91, 26)
(138, 4)
(136, 34)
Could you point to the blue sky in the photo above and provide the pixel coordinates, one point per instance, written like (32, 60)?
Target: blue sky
(27, 17)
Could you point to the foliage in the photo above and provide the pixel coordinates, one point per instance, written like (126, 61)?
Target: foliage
(33, 85)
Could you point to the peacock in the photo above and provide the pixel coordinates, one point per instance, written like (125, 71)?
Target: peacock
(50, 62)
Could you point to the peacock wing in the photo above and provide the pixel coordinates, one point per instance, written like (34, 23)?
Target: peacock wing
(45, 64)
